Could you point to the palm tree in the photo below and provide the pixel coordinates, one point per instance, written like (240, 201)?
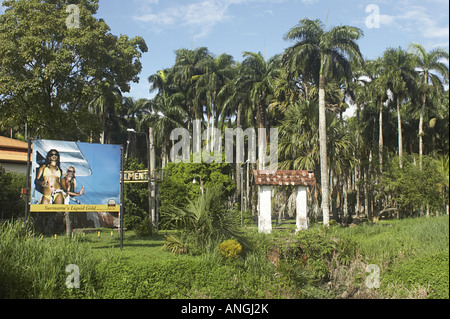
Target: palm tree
(256, 77)
(104, 103)
(134, 112)
(218, 72)
(378, 76)
(189, 66)
(400, 71)
(325, 54)
(430, 66)
(167, 112)
(443, 161)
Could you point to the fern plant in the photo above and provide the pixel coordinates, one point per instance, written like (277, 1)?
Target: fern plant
(204, 221)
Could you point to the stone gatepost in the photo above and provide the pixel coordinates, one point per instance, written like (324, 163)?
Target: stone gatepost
(265, 209)
(266, 179)
(302, 208)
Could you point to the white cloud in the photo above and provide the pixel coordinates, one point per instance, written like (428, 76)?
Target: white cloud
(309, 1)
(201, 16)
(415, 18)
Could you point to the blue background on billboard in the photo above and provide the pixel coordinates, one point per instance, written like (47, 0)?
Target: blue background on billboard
(104, 183)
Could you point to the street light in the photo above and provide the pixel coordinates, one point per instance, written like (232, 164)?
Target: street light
(201, 182)
(132, 130)
(242, 191)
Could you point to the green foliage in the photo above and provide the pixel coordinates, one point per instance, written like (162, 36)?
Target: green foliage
(429, 270)
(230, 249)
(176, 245)
(177, 188)
(136, 198)
(413, 188)
(171, 193)
(309, 250)
(205, 220)
(49, 72)
(35, 268)
(144, 228)
(412, 254)
(211, 174)
(11, 202)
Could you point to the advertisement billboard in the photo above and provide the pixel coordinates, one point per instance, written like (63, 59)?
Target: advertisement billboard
(75, 176)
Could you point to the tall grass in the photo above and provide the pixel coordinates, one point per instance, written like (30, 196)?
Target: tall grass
(398, 239)
(31, 267)
(413, 254)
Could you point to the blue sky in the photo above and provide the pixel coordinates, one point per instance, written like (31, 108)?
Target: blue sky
(234, 26)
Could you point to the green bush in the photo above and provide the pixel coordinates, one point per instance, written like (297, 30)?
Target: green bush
(413, 188)
(144, 228)
(183, 174)
(11, 202)
(135, 199)
(171, 194)
(310, 250)
(205, 221)
(131, 221)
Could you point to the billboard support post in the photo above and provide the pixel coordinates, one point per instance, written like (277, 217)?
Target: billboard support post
(122, 207)
(28, 180)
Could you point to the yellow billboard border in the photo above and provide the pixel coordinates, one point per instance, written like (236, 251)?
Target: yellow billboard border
(39, 208)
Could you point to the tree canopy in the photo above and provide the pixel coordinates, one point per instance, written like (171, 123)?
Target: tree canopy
(50, 70)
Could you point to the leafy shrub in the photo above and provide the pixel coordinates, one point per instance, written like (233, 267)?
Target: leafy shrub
(205, 221)
(11, 202)
(176, 245)
(131, 221)
(183, 174)
(136, 198)
(308, 250)
(230, 249)
(413, 188)
(144, 228)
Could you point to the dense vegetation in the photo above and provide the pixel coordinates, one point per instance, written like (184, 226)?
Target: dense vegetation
(400, 101)
(412, 255)
(390, 158)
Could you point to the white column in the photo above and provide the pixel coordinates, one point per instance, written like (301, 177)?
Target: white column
(265, 210)
(302, 209)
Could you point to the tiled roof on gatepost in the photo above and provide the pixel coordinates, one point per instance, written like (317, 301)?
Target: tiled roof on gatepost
(284, 178)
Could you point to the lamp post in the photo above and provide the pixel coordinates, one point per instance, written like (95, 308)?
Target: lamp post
(242, 192)
(150, 206)
(201, 183)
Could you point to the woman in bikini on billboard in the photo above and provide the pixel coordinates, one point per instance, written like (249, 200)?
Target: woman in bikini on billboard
(69, 184)
(51, 174)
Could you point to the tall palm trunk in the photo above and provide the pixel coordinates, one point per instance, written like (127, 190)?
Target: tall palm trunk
(239, 182)
(400, 135)
(421, 133)
(380, 138)
(358, 163)
(261, 140)
(323, 150)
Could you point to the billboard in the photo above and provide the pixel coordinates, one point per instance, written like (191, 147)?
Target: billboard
(75, 176)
